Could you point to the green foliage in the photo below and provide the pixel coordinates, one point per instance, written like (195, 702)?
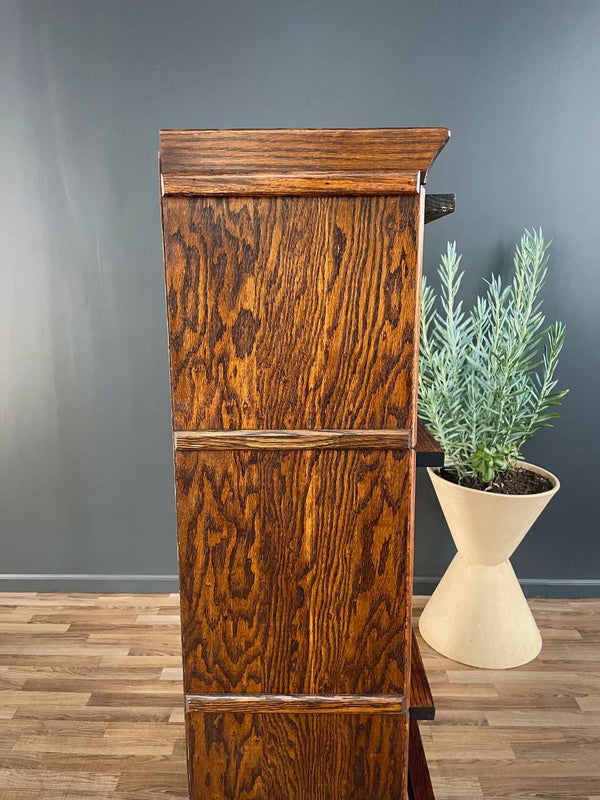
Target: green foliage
(486, 380)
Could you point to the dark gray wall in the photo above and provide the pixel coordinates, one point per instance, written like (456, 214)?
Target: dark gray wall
(86, 484)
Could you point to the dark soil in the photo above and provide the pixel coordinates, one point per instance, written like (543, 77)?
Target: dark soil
(513, 481)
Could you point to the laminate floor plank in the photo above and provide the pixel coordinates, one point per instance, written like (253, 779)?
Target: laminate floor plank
(91, 705)
(523, 734)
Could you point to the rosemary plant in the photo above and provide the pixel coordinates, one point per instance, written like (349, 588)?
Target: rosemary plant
(486, 380)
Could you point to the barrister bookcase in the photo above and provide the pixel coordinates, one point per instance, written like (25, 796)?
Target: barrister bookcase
(293, 271)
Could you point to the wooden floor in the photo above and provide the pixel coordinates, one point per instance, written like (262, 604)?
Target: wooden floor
(91, 705)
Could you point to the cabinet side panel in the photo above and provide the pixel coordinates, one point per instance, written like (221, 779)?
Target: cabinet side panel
(297, 756)
(292, 312)
(294, 571)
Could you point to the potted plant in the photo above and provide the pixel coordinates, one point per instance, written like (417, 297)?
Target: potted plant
(486, 386)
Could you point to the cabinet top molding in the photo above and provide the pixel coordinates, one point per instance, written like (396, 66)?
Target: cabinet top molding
(298, 161)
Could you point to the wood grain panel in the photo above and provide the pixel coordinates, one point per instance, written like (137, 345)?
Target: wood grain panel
(292, 313)
(297, 756)
(316, 183)
(292, 440)
(284, 152)
(299, 561)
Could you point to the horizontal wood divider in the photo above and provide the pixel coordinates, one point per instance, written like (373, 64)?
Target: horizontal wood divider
(261, 184)
(293, 440)
(295, 704)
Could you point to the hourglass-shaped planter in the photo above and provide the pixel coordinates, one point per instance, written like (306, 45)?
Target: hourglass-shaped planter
(478, 614)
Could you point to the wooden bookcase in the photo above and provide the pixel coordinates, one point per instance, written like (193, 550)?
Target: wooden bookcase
(293, 271)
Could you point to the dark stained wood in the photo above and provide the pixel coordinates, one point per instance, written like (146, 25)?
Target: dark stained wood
(292, 440)
(293, 274)
(277, 156)
(421, 699)
(300, 558)
(297, 756)
(315, 183)
(292, 313)
(439, 205)
(419, 780)
(296, 703)
(429, 452)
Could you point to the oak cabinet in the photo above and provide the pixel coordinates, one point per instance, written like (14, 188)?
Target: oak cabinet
(293, 269)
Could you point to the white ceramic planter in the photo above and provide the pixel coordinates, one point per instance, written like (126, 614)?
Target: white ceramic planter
(478, 614)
